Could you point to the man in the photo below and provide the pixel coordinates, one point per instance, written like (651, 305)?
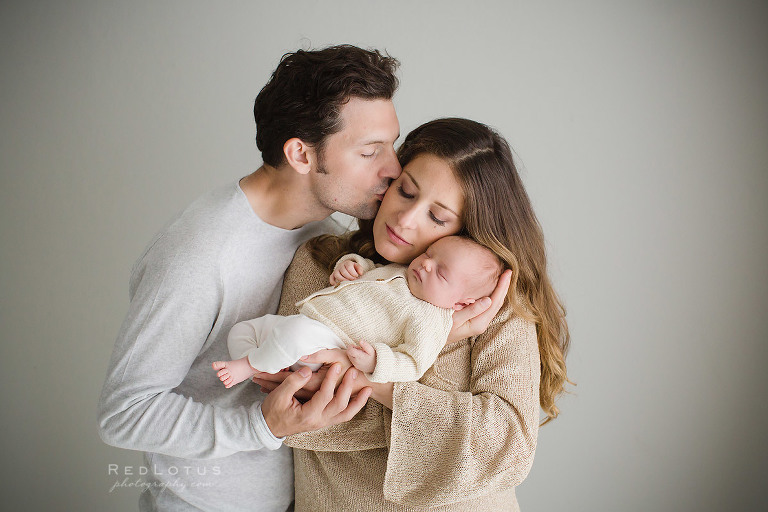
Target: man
(326, 127)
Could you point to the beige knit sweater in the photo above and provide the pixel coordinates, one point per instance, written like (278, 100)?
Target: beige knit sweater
(407, 333)
(461, 438)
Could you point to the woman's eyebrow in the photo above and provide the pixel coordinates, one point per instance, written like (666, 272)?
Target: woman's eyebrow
(444, 207)
(413, 180)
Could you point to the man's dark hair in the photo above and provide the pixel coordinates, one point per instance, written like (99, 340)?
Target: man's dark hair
(304, 96)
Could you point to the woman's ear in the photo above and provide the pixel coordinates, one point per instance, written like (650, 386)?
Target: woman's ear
(462, 304)
(299, 155)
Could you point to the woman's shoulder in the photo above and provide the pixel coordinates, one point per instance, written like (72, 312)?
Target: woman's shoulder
(513, 329)
(303, 277)
(516, 313)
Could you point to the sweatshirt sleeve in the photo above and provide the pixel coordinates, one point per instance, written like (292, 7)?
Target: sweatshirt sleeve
(484, 438)
(175, 299)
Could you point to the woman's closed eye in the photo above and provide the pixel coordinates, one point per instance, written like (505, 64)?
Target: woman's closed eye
(437, 221)
(403, 193)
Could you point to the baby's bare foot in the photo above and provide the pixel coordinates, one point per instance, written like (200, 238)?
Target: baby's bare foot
(233, 372)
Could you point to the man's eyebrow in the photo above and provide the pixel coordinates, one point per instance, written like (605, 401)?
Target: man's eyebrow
(438, 203)
(377, 141)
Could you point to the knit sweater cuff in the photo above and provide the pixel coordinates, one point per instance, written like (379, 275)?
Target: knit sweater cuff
(261, 429)
(385, 364)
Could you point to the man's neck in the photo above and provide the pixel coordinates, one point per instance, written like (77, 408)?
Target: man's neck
(282, 197)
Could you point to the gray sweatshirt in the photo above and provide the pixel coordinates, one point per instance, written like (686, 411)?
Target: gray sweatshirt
(207, 447)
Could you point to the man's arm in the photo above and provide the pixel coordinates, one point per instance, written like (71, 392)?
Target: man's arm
(174, 304)
(175, 299)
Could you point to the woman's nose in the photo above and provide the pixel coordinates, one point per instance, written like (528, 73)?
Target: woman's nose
(407, 218)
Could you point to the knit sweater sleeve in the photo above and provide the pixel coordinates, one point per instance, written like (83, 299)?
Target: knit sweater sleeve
(424, 336)
(483, 439)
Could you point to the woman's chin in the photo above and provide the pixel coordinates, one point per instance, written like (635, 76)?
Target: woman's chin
(392, 253)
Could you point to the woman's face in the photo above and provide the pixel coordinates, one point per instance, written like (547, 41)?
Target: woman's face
(424, 204)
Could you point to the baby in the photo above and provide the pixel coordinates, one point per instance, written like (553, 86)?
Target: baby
(401, 315)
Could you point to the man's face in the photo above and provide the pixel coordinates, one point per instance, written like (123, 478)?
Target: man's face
(357, 163)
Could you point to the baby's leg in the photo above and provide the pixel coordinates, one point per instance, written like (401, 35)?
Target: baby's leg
(233, 372)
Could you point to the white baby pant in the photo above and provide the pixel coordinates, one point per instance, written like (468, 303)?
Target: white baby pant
(274, 342)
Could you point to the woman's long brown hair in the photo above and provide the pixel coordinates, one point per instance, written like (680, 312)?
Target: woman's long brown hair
(497, 214)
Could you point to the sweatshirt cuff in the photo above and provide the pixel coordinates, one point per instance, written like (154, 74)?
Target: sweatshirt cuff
(263, 433)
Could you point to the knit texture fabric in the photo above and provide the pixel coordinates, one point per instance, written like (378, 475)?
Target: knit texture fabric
(407, 333)
(461, 438)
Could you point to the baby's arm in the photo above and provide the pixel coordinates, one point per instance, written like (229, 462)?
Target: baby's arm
(349, 268)
(363, 357)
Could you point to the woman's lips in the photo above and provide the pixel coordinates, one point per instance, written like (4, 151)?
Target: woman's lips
(395, 238)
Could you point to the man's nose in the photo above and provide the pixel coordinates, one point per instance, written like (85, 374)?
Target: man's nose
(391, 166)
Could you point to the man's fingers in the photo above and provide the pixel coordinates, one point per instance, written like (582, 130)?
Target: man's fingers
(340, 400)
(294, 382)
(275, 377)
(325, 394)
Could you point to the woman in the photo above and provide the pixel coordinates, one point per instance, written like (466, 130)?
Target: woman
(465, 434)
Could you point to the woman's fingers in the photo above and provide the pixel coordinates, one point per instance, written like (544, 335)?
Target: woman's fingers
(475, 318)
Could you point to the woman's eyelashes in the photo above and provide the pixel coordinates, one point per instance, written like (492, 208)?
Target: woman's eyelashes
(432, 216)
(436, 220)
(404, 193)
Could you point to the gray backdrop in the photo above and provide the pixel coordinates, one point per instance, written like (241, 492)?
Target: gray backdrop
(642, 128)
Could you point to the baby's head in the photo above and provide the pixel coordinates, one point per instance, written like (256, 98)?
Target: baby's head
(454, 272)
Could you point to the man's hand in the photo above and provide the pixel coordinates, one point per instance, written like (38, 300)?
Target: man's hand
(475, 318)
(285, 415)
(326, 357)
(347, 271)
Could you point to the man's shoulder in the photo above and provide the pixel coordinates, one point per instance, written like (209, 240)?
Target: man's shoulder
(201, 220)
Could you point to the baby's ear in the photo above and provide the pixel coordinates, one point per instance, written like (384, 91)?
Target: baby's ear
(462, 304)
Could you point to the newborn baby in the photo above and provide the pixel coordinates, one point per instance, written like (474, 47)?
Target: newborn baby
(400, 316)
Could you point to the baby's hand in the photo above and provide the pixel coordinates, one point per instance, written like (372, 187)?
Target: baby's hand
(347, 271)
(363, 357)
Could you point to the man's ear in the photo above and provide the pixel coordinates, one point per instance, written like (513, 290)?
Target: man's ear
(299, 155)
(462, 304)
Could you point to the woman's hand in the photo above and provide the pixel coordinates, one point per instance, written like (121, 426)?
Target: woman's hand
(475, 318)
